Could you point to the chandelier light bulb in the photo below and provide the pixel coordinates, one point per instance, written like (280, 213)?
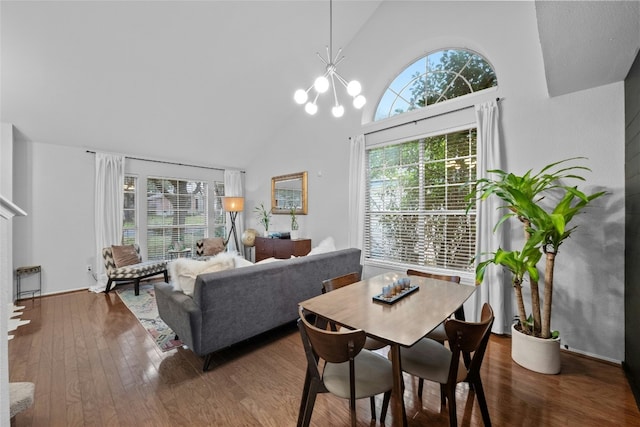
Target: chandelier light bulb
(300, 96)
(311, 108)
(321, 84)
(354, 88)
(337, 111)
(359, 101)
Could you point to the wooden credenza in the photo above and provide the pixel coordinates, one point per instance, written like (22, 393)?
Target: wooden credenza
(281, 248)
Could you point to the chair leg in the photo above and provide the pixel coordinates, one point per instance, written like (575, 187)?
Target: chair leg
(166, 276)
(352, 410)
(137, 287)
(443, 395)
(372, 399)
(451, 396)
(311, 401)
(385, 406)
(305, 398)
(109, 282)
(477, 386)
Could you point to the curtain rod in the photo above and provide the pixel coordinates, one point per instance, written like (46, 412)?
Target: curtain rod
(424, 118)
(170, 163)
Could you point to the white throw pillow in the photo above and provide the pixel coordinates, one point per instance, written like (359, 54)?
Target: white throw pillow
(327, 245)
(184, 271)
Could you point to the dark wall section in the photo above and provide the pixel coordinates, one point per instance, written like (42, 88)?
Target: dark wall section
(632, 232)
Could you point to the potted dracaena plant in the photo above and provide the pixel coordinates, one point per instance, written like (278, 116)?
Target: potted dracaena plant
(264, 217)
(546, 226)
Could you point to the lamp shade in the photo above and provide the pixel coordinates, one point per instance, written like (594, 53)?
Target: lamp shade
(233, 204)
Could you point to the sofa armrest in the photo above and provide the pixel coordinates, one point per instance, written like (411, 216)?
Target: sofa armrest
(181, 314)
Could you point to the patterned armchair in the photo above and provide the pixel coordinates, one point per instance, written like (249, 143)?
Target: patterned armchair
(127, 266)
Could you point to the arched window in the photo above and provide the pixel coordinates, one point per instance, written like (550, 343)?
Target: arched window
(434, 78)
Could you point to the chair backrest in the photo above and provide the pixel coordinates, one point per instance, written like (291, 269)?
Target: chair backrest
(109, 260)
(459, 313)
(469, 338)
(333, 347)
(340, 281)
(455, 279)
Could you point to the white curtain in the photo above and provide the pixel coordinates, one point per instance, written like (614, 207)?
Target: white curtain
(109, 201)
(356, 193)
(233, 187)
(493, 290)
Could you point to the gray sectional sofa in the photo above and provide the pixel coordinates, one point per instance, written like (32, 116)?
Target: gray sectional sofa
(232, 305)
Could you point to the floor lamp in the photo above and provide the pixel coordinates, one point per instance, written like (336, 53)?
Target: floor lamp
(233, 205)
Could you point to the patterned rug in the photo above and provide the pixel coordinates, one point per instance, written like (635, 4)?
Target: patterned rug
(145, 309)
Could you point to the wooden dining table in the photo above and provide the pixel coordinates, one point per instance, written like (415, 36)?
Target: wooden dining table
(400, 324)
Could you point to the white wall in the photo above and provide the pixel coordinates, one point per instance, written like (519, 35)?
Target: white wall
(54, 184)
(536, 130)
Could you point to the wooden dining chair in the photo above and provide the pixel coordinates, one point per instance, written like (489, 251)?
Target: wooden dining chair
(350, 371)
(344, 280)
(439, 333)
(430, 360)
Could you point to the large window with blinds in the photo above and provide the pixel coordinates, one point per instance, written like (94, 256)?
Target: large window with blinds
(415, 212)
(130, 211)
(177, 212)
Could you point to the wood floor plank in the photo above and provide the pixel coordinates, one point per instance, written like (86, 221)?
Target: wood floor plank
(94, 365)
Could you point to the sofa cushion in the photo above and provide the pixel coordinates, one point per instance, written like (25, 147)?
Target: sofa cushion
(183, 271)
(125, 255)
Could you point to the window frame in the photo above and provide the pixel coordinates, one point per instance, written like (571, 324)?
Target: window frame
(386, 264)
(428, 107)
(150, 228)
(135, 209)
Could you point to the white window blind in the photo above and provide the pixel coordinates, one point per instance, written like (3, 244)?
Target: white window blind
(177, 215)
(415, 210)
(130, 211)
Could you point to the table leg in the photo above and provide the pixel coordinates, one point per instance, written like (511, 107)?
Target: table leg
(397, 394)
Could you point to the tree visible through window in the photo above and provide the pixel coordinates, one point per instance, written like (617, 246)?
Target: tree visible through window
(177, 212)
(415, 202)
(437, 77)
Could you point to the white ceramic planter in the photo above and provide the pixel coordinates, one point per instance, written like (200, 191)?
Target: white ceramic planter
(295, 234)
(536, 354)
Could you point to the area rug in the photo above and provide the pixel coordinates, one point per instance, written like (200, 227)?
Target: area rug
(145, 309)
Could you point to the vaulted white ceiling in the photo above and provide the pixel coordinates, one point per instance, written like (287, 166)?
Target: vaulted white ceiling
(175, 78)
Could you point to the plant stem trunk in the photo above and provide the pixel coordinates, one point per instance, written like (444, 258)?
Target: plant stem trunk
(522, 314)
(548, 295)
(535, 307)
(535, 293)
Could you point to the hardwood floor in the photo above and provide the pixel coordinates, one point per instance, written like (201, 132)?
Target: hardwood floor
(93, 364)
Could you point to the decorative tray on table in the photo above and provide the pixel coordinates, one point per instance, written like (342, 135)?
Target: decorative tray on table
(390, 300)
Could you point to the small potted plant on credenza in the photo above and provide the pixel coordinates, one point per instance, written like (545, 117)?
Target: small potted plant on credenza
(264, 217)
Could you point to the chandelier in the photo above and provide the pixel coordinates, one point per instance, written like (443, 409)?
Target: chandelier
(328, 81)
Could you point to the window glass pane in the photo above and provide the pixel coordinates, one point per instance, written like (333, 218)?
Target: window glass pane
(435, 78)
(130, 221)
(176, 215)
(415, 202)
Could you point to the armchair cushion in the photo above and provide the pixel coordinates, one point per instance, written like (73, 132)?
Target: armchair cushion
(125, 255)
